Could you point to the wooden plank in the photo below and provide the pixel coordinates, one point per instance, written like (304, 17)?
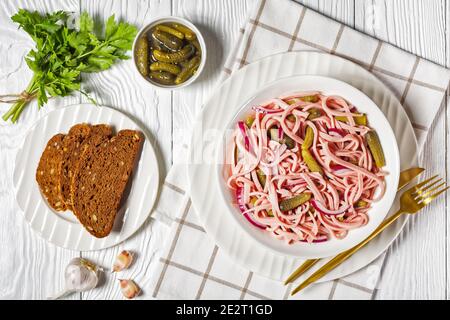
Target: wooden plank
(30, 267)
(416, 265)
(341, 10)
(121, 88)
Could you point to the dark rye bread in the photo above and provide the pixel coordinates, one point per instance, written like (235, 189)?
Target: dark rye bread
(71, 150)
(100, 178)
(47, 173)
(78, 135)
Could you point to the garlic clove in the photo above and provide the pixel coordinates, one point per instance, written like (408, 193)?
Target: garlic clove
(123, 261)
(129, 288)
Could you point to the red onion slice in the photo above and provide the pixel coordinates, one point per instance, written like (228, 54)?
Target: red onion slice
(339, 169)
(318, 240)
(265, 110)
(243, 208)
(321, 208)
(280, 133)
(241, 126)
(336, 132)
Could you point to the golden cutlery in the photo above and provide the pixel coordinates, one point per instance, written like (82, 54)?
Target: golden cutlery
(411, 201)
(406, 176)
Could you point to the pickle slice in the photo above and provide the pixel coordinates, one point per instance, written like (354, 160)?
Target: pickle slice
(311, 162)
(359, 120)
(275, 136)
(292, 101)
(375, 148)
(288, 141)
(261, 177)
(309, 138)
(249, 121)
(314, 113)
(312, 98)
(294, 202)
(291, 117)
(361, 204)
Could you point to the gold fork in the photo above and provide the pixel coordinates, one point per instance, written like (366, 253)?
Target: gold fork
(411, 201)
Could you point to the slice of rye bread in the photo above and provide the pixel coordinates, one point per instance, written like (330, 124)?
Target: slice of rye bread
(47, 172)
(100, 179)
(78, 135)
(71, 151)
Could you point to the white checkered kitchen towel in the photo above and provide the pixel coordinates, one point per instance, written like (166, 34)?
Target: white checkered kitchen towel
(192, 266)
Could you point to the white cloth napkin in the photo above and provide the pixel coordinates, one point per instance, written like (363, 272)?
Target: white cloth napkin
(192, 266)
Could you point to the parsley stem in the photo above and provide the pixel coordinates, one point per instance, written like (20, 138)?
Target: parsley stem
(17, 108)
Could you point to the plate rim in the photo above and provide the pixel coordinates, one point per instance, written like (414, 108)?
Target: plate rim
(153, 199)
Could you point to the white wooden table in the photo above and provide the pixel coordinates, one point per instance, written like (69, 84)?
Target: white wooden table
(30, 268)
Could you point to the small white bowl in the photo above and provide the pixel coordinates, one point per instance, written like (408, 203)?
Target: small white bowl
(199, 38)
(377, 121)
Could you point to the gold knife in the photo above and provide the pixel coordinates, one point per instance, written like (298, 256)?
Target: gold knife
(406, 177)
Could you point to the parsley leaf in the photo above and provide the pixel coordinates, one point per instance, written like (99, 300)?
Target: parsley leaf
(62, 53)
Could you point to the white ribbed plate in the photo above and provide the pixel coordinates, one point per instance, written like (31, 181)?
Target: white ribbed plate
(220, 109)
(62, 228)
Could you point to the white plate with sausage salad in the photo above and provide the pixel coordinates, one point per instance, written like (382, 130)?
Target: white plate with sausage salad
(219, 217)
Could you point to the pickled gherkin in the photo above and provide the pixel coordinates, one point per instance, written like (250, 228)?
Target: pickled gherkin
(309, 138)
(314, 113)
(197, 47)
(361, 204)
(142, 56)
(168, 40)
(311, 162)
(288, 141)
(189, 35)
(359, 120)
(291, 117)
(163, 77)
(174, 57)
(261, 177)
(163, 66)
(172, 31)
(275, 136)
(249, 121)
(294, 202)
(312, 98)
(375, 148)
(291, 101)
(188, 70)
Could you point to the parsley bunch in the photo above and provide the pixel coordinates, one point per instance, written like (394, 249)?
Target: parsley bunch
(62, 53)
